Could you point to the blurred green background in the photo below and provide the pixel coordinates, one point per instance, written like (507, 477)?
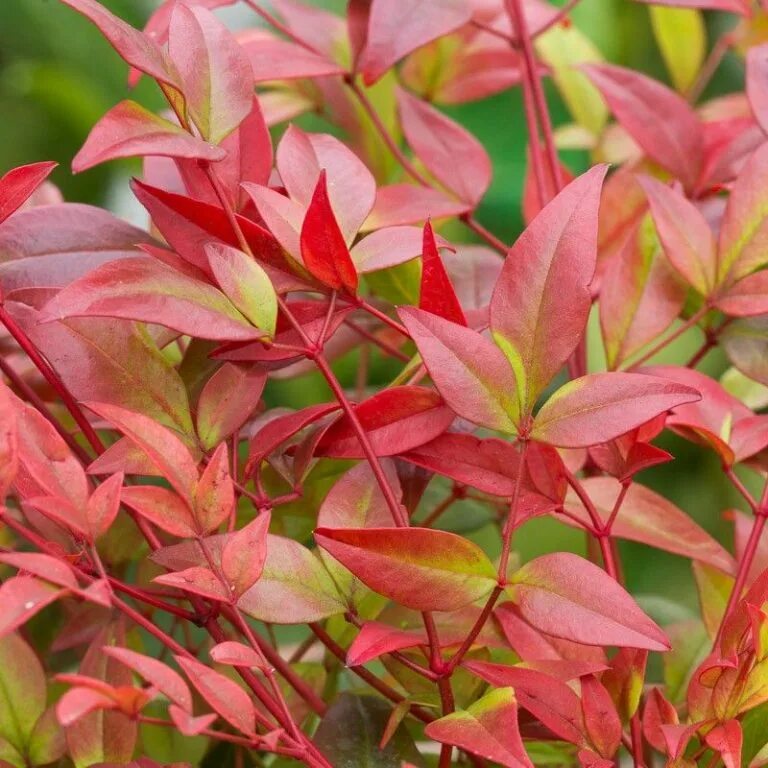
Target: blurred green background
(58, 76)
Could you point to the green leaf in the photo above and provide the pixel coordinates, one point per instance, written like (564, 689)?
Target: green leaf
(350, 732)
(754, 726)
(47, 743)
(670, 27)
(22, 691)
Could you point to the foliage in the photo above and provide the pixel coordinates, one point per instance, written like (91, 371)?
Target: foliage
(194, 574)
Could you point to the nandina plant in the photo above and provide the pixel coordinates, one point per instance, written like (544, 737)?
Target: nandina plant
(196, 573)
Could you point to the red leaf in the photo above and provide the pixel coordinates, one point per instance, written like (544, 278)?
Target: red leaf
(224, 696)
(488, 465)
(9, 442)
(569, 597)
(18, 185)
(45, 567)
(163, 508)
(600, 717)
(130, 130)
(244, 554)
(144, 289)
(488, 728)
(76, 703)
(214, 70)
(188, 725)
(215, 492)
(394, 30)
(280, 429)
(437, 295)
(357, 501)
(198, 581)
(658, 119)
(376, 639)
(727, 739)
(160, 675)
(323, 248)
(396, 420)
(419, 568)
(103, 506)
(548, 699)
(542, 298)
(227, 401)
(685, 234)
(450, 153)
(163, 448)
(469, 371)
(656, 713)
(601, 406)
(188, 225)
(649, 518)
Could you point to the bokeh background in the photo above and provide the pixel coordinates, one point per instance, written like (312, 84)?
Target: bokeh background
(58, 76)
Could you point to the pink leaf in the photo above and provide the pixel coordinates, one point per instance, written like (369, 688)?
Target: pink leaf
(236, 655)
(9, 442)
(757, 83)
(600, 717)
(18, 185)
(136, 48)
(727, 740)
(569, 597)
(160, 675)
(388, 247)
(395, 29)
(376, 639)
(601, 406)
(214, 70)
(163, 508)
(225, 697)
(542, 298)
(450, 153)
(747, 297)
(488, 728)
(658, 119)
(103, 506)
(144, 289)
(198, 581)
(163, 448)
(245, 553)
(22, 598)
(130, 130)
(469, 371)
(215, 492)
(685, 234)
(399, 204)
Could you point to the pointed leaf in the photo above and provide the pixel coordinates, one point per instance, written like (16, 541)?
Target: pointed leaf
(548, 271)
(676, 141)
(601, 406)
(217, 78)
(236, 654)
(103, 506)
(163, 448)
(376, 639)
(294, 587)
(394, 30)
(18, 184)
(162, 508)
(488, 728)
(160, 675)
(419, 568)
(569, 597)
(437, 295)
(685, 234)
(727, 739)
(245, 554)
(273, 59)
(469, 371)
(215, 492)
(130, 130)
(450, 153)
(323, 249)
(23, 597)
(144, 289)
(9, 442)
(198, 581)
(224, 696)
(670, 25)
(246, 284)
